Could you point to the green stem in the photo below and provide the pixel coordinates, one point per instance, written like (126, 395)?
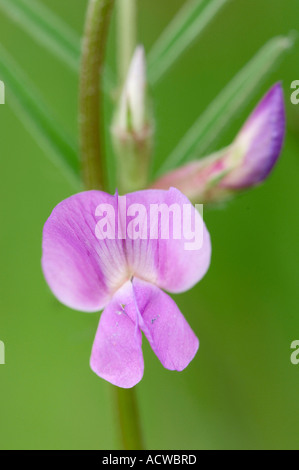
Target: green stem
(90, 121)
(91, 96)
(125, 399)
(128, 419)
(126, 36)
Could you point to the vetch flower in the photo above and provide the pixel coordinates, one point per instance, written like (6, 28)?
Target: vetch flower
(89, 268)
(247, 162)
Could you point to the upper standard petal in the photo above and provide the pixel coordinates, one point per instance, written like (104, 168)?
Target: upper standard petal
(170, 261)
(93, 243)
(82, 271)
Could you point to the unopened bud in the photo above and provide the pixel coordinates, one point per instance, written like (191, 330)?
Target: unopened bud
(245, 163)
(132, 128)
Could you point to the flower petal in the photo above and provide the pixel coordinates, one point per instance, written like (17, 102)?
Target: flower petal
(167, 261)
(169, 334)
(116, 354)
(82, 271)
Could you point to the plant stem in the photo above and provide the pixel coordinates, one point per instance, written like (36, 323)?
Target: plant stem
(126, 36)
(91, 97)
(128, 419)
(90, 121)
(125, 399)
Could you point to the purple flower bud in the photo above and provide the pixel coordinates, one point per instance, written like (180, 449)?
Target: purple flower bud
(244, 164)
(258, 146)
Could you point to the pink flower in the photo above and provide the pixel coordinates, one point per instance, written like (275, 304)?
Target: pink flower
(247, 162)
(90, 263)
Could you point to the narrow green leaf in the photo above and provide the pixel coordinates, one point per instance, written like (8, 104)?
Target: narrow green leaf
(232, 99)
(50, 31)
(187, 25)
(46, 28)
(44, 127)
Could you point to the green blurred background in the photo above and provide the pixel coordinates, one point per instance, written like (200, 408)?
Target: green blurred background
(241, 391)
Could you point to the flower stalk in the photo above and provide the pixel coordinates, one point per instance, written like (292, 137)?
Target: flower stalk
(129, 425)
(91, 97)
(128, 419)
(90, 124)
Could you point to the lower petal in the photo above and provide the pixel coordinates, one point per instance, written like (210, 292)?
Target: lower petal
(169, 334)
(116, 354)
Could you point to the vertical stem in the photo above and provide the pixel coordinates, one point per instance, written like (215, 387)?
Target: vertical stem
(125, 400)
(126, 35)
(91, 99)
(128, 419)
(90, 121)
